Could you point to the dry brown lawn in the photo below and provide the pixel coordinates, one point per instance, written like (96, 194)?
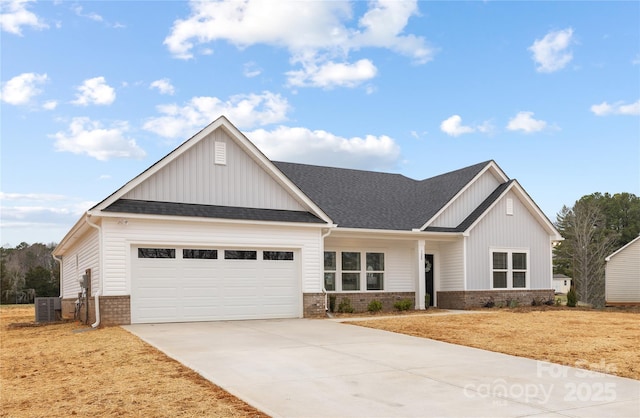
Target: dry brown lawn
(53, 371)
(606, 341)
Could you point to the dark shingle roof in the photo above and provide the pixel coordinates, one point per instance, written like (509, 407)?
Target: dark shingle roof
(366, 199)
(209, 211)
(473, 216)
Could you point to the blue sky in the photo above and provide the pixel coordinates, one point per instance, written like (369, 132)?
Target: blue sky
(92, 93)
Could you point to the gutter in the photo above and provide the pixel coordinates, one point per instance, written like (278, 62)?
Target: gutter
(99, 291)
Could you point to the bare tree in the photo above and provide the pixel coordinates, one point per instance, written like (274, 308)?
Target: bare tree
(587, 243)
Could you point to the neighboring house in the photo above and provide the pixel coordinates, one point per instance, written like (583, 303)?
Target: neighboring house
(561, 283)
(622, 275)
(217, 231)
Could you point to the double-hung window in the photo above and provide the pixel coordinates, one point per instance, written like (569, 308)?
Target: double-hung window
(350, 271)
(509, 269)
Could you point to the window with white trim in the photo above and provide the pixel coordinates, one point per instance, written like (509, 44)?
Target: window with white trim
(349, 271)
(509, 269)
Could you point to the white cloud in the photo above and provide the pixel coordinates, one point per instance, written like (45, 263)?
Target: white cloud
(15, 16)
(303, 145)
(50, 105)
(250, 70)
(78, 10)
(618, 108)
(636, 60)
(88, 137)
(40, 197)
(319, 35)
(22, 88)
(453, 126)
(246, 111)
(164, 86)
(330, 74)
(551, 52)
(95, 91)
(525, 122)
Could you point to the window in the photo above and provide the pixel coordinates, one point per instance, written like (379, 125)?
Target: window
(350, 271)
(353, 271)
(200, 254)
(509, 269)
(156, 253)
(240, 255)
(375, 271)
(330, 270)
(277, 255)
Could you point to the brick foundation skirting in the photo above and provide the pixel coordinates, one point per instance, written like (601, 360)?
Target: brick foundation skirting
(114, 310)
(360, 301)
(470, 299)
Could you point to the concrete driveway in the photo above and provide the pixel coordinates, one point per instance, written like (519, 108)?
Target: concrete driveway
(320, 368)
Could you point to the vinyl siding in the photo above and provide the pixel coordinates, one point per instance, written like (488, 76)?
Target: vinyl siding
(452, 265)
(468, 201)
(119, 237)
(400, 273)
(518, 231)
(194, 178)
(82, 256)
(623, 275)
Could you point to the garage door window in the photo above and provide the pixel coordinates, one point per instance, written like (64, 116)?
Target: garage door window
(240, 255)
(200, 254)
(277, 255)
(156, 253)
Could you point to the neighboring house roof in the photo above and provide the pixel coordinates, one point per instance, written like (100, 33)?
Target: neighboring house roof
(558, 276)
(373, 200)
(628, 244)
(209, 211)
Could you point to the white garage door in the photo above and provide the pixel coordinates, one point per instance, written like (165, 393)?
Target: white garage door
(175, 284)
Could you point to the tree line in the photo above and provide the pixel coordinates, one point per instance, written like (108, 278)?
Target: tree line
(593, 228)
(28, 271)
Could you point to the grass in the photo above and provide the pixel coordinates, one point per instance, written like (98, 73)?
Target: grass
(53, 370)
(605, 341)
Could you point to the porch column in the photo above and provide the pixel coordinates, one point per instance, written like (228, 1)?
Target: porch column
(420, 286)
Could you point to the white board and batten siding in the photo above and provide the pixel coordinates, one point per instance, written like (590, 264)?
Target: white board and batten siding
(194, 177)
(520, 231)
(468, 201)
(622, 277)
(451, 265)
(82, 256)
(119, 238)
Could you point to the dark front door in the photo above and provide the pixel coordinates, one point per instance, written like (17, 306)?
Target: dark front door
(428, 276)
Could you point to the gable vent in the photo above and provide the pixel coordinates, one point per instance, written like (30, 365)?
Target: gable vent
(220, 153)
(509, 206)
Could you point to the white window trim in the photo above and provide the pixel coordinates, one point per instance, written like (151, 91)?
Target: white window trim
(510, 269)
(363, 269)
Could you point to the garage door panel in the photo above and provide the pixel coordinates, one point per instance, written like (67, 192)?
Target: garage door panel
(190, 289)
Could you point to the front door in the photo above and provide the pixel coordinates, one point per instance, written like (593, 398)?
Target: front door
(428, 277)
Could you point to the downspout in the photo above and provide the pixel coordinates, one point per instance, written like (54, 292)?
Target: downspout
(59, 260)
(324, 291)
(99, 291)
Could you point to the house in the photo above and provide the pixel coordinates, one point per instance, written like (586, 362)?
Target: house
(561, 283)
(622, 275)
(217, 231)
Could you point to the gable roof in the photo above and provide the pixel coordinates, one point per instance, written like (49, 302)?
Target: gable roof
(373, 200)
(627, 245)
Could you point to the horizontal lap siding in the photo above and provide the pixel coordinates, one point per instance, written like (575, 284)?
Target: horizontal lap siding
(118, 238)
(468, 201)
(518, 231)
(82, 256)
(400, 266)
(452, 265)
(623, 275)
(194, 178)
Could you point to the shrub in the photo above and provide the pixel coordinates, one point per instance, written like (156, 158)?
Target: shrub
(558, 302)
(513, 303)
(489, 303)
(550, 302)
(403, 304)
(332, 303)
(374, 306)
(345, 306)
(572, 298)
(427, 300)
